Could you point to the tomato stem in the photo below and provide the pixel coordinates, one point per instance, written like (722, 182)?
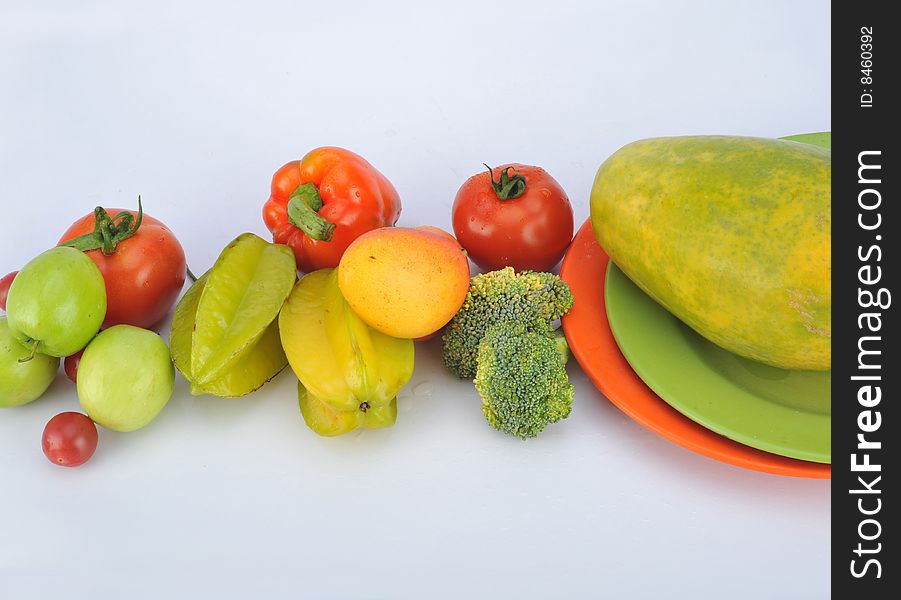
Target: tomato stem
(108, 231)
(507, 187)
(302, 213)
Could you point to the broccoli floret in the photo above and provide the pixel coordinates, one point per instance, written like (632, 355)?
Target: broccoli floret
(562, 346)
(522, 379)
(530, 299)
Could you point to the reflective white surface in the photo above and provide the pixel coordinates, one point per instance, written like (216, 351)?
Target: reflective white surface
(194, 107)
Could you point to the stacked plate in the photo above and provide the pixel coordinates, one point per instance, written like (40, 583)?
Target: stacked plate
(670, 379)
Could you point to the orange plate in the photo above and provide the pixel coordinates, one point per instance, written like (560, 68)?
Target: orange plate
(592, 343)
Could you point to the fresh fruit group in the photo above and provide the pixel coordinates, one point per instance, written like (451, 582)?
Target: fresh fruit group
(406, 283)
(22, 380)
(57, 302)
(69, 439)
(731, 235)
(125, 377)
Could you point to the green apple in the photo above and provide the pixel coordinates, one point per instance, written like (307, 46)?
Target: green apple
(125, 377)
(57, 302)
(23, 378)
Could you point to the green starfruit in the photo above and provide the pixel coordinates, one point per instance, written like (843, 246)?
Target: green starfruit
(224, 337)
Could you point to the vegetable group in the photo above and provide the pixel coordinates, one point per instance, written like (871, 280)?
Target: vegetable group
(56, 305)
(321, 203)
(730, 234)
(514, 215)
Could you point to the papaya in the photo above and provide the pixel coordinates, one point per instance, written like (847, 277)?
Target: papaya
(729, 234)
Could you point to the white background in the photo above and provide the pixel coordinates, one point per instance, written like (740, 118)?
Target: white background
(193, 106)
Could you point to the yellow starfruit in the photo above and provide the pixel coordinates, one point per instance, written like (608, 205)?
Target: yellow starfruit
(347, 370)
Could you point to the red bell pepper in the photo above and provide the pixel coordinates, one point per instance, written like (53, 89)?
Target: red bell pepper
(326, 200)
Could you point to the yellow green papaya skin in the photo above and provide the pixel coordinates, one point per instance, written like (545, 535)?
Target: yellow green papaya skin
(731, 235)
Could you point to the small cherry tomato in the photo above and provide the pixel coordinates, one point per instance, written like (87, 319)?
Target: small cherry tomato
(71, 365)
(142, 263)
(5, 282)
(70, 439)
(515, 215)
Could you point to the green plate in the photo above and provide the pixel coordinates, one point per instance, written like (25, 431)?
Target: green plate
(823, 139)
(784, 412)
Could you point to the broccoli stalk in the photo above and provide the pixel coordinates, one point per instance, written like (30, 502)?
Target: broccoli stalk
(521, 377)
(532, 300)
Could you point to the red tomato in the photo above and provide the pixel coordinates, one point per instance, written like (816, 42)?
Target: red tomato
(5, 282)
(515, 215)
(71, 365)
(69, 439)
(144, 273)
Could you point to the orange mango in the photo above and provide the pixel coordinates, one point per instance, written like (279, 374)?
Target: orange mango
(404, 282)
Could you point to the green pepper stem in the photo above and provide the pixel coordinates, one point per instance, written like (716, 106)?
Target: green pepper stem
(507, 187)
(108, 231)
(302, 213)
